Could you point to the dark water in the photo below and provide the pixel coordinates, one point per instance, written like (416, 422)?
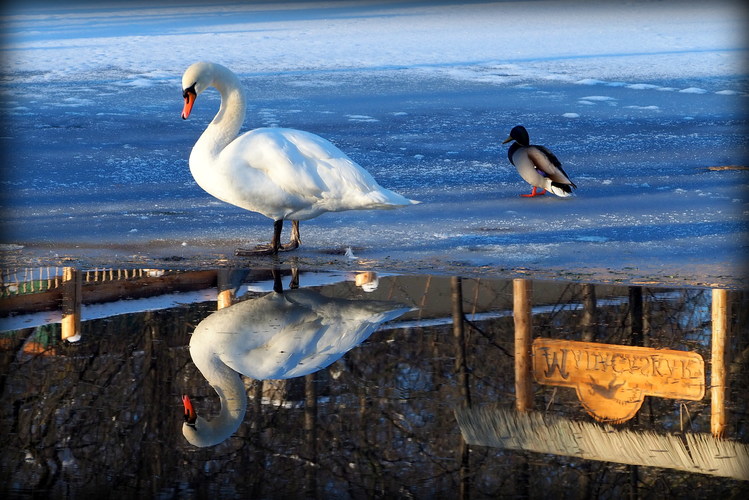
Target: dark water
(362, 386)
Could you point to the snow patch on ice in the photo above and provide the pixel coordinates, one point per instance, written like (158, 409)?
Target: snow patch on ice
(642, 86)
(693, 90)
(138, 82)
(361, 119)
(652, 107)
(100, 43)
(599, 98)
(592, 239)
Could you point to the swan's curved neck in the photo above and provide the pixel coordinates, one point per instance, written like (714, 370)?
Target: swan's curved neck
(228, 385)
(226, 124)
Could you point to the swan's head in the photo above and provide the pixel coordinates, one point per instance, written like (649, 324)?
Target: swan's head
(519, 135)
(201, 432)
(189, 428)
(195, 80)
(194, 426)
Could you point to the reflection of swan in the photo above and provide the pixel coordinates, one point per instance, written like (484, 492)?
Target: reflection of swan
(279, 335)
(280, 173)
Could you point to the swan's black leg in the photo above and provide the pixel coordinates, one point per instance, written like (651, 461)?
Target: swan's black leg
(294, 284)
(275, 242)
(277, 284)
(271, 249)
(295, 240)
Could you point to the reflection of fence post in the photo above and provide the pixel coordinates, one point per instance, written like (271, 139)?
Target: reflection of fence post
(72, 286)
(456, 286)
(225, 289)
(588, 321)
(720, 311)
(522, 291)
(635, 316)
(310, 432)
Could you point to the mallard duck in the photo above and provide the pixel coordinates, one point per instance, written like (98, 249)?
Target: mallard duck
(278, 172)
(537, 165)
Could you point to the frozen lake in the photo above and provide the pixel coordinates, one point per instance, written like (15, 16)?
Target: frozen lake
(97, 153)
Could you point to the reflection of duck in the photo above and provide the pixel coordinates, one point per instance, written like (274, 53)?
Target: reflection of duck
(279, 335)
(537, 165)
(280, 173)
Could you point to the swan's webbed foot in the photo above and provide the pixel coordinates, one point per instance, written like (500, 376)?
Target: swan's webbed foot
(266, 249)
(292, 245)
(274, 246)
(295, 239)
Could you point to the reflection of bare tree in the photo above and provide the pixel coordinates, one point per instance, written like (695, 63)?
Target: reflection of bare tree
(73, 403)
(636, 339)
(589, 322)
(463, 382)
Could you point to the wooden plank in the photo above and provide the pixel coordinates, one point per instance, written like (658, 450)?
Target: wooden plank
(545, 433)
(612, 380)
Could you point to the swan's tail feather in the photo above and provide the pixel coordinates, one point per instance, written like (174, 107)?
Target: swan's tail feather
(389, 199)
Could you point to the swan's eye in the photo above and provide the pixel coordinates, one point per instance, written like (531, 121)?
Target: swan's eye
(190, 419)
(189, 90)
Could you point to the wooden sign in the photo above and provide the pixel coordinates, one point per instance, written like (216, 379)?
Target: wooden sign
(612, 380)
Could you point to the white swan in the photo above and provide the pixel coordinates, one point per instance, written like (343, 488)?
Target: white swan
(280, 173)
(277, 336)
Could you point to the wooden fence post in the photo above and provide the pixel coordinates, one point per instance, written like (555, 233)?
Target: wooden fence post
(720, 312)
(72, 286)
(522, 292)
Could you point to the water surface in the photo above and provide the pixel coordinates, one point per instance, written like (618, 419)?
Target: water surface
(358, 385)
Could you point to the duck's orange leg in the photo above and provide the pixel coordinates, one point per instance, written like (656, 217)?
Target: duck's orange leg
(534, 193)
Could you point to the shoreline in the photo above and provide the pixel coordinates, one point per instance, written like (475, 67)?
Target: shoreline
(221, 255)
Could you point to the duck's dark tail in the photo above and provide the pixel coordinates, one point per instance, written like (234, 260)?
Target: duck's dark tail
(559, 189)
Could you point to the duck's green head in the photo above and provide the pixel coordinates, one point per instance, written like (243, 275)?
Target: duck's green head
(519, 135)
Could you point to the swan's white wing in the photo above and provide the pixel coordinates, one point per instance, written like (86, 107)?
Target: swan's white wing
(269, 152)
(308, 170)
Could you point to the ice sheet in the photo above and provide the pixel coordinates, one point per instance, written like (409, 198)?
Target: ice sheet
(638, 100)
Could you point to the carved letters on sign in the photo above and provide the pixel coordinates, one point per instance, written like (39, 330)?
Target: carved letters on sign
(612, 380)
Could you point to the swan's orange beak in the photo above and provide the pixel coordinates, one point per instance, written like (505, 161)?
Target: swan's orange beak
(189, 101)
(190, 415)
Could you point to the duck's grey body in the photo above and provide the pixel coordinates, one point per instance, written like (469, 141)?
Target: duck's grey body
(538, 166)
